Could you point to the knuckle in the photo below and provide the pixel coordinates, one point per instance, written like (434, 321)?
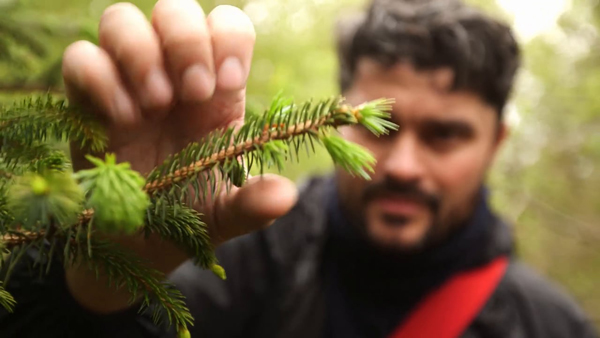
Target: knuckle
(86, 77)
(131, 43)
(184, 39)
(231, 107)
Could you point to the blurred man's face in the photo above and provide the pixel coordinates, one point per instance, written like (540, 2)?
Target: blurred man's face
(428, 174)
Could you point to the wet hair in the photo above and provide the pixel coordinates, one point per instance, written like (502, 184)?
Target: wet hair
(481, 50)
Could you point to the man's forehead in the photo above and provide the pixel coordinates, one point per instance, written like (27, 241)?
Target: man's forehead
(419, 95)
(405, 74)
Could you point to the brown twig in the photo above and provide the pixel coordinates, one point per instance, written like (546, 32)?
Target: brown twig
(237, 150)
(18, 237)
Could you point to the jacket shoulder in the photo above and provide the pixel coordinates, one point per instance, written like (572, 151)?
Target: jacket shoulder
(542, 297)
(526, 304)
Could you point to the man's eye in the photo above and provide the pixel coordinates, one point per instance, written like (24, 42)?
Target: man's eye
(445, 134)
(446, 137)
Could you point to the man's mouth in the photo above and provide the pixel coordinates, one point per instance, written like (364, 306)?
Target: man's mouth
(399, 207)
(394, 220)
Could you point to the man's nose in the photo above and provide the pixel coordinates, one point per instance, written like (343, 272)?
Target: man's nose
(405, 160)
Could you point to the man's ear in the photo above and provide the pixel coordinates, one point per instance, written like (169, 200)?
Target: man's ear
(501, 135)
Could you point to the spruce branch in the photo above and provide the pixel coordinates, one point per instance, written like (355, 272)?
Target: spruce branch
(349, 156)
(17, 158)
(183, 226)
(115, 195)
(35, 121)
(6, 217)
(267, 140)
(11, 261)
(14, 238)
(45, 203)
(37, 201)
(6, 299)
(125, 269)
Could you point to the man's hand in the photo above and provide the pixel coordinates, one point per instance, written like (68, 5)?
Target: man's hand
(158, 86)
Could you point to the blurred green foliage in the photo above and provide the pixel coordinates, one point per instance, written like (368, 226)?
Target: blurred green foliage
(548, 178)
(546, 181)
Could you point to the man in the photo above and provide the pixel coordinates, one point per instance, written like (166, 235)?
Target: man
(352, 258)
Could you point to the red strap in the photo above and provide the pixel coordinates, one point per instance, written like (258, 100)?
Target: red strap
(448, 311)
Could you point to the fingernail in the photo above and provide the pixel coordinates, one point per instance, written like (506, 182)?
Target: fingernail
(123, 109)
(231, 74)
(157, 90)
(198, 84)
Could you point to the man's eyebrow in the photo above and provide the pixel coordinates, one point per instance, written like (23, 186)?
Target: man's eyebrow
(457, 125)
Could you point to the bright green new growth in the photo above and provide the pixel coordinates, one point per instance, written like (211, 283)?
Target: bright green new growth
(349, 156)
(218, 270)
(116, 195)
(40, 199)
(183, 333)
(373, 115)
(46, 207)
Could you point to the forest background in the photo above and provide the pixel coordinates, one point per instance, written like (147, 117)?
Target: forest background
(547, 180)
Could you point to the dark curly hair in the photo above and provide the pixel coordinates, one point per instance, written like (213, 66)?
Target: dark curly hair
(430, 34)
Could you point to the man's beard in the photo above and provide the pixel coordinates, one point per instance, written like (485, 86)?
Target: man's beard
(406, 190)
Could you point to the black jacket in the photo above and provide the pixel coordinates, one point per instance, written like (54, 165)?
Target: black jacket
(279, 285)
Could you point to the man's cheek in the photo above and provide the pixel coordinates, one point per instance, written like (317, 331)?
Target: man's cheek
(461, 170)
(459, 183)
